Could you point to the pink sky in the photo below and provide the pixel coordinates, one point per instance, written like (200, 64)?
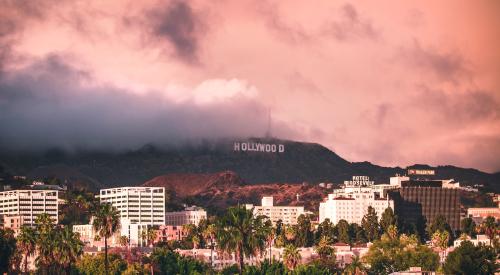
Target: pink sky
(391, 82)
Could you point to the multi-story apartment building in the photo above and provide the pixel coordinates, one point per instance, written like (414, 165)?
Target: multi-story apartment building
(139, 205)
(190, 215)
(287, 214)
(351, 202)
(28, 204)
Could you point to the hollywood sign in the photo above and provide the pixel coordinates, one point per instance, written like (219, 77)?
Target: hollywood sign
(258, 147)
(359, 181)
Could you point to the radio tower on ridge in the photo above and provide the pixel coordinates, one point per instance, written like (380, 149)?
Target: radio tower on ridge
(268, 131)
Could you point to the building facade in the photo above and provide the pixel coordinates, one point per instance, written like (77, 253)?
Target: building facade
(170, 233)
(139, 205)
(351, 202)
(28, 204)
(287, 214)
(190, 215)
(423, 201)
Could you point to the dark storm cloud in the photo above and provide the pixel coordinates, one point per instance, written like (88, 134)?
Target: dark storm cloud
(180, 26)
(351, 25)
(52, 104)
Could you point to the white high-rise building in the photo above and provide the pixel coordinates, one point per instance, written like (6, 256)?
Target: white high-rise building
(287, 214)
(139, 205)
(28, 204)
(190, 215)
(352, 201)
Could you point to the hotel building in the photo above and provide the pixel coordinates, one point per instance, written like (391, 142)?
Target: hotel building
(26, 205)
(190, 215)
(352, 201)
(287, 214)
(139, 205)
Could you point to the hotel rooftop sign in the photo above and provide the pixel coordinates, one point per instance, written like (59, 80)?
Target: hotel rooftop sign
(428, 172)
(358, 181)
(258, 147)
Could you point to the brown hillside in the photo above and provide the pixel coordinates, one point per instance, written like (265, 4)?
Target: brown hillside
(218, 191)
(185, 185)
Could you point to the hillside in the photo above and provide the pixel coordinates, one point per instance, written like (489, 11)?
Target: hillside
(300, 162)
(217, 191)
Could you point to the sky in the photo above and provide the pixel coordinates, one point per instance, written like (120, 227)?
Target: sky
(390, 82)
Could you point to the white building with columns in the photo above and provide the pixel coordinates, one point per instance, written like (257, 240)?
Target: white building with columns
(352, 201)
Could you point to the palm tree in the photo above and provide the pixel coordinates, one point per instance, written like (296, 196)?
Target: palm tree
(106, 223)
(209, 235)
(291, 256)
(151, 236)
(324, 248)
(440, 240)
(356, 267)
(290, 233)
(239, 232)
(26, 242)
(68, 248)
(46, 241)
(489, 227)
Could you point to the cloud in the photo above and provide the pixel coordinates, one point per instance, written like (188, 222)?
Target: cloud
(458, 108)
(291, 33)
(53, 104)
(179, 25)
(351, 26)
(445, 66)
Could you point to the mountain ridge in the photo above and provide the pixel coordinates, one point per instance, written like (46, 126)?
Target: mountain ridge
(300, 162)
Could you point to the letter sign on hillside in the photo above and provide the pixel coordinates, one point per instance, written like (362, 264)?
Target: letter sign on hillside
(258, 147)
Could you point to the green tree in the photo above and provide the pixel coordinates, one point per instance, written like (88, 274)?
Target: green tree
(240, 232)
(106, 223)
(342, 229)
(305, 236)
(468, 226)
(169, 262)
(291, 256)
(265, 268)
(390, 254)
(470, 259)
(7, 249)
(325, 229)
(68, 248)
(91, 265)
(387, 219)
(441, 224)
(370, 224)
(356, 233)
(26, 242)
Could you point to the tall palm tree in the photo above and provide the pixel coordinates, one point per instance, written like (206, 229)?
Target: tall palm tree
(290, 233)
(240, 232)
(106, 223)
(68, 248)
(46, 241)
(291, 256)
(209, 235)
(26, 242)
